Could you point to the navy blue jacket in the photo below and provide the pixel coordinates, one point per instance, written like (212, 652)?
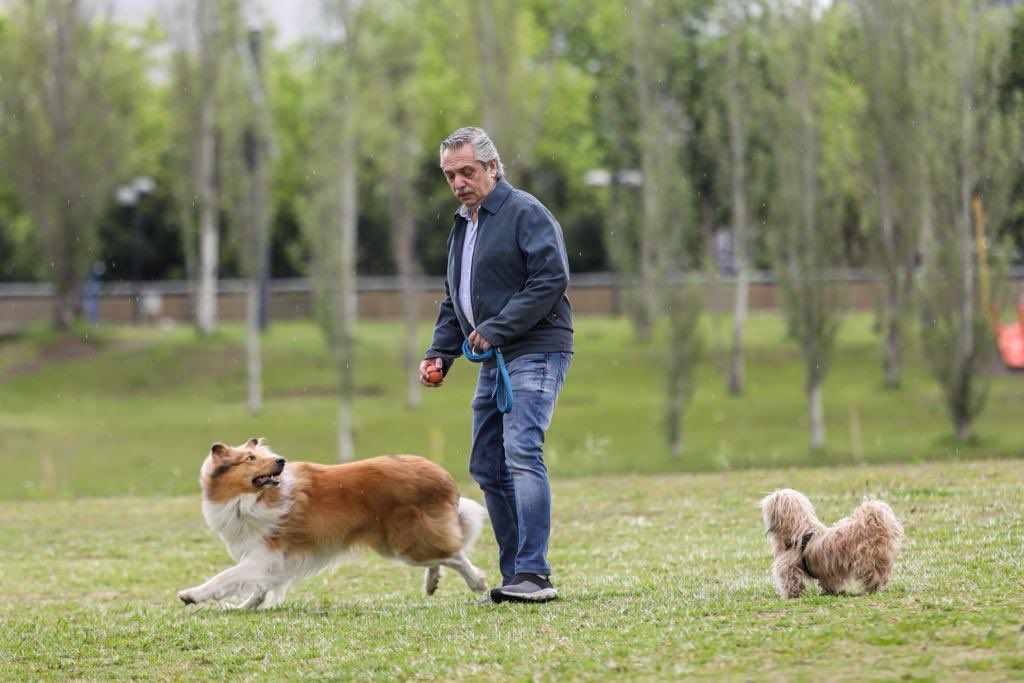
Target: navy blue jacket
(520, 274)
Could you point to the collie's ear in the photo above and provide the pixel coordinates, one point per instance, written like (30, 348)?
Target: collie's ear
(219, 450)
(254, 441)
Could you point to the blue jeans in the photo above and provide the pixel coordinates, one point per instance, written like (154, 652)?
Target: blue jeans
(507, 459)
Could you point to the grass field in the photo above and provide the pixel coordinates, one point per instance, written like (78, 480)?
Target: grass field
(662, 563)
(662, 577)
(133, 411)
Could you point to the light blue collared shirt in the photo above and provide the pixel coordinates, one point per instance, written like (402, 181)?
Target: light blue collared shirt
(466, 272)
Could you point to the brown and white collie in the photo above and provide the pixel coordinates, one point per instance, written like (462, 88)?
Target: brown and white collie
(283, 521)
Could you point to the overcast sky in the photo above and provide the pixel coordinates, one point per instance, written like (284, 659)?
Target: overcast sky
(293, 18)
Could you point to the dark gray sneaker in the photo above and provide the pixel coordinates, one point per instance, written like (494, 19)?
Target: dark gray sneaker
(525, 588)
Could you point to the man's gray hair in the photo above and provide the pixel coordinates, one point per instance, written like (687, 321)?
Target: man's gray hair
(483, 149)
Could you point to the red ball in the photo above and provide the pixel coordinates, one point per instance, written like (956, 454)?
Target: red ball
(435, 376)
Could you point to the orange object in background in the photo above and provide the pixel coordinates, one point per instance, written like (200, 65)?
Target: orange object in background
(1011, 340)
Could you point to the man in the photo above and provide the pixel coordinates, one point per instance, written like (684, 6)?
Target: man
(505, 288)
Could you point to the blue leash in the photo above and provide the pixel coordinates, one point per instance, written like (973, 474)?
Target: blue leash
(501, 381)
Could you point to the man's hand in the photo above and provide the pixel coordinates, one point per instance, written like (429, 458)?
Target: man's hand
(431, 369)
(477, 343)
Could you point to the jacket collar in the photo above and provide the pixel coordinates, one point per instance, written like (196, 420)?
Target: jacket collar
(494, 199)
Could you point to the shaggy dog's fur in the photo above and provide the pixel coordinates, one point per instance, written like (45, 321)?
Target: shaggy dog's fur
(285, 521)
(856, 552)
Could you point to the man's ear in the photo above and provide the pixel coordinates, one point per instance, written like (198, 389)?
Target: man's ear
(219, 450)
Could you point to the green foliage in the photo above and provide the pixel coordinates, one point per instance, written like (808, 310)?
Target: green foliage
(559, 82)
(662, 578)
(971, 148)
(66, 93)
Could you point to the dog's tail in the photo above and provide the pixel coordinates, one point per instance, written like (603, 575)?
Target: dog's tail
(877, 516)
(471, 519)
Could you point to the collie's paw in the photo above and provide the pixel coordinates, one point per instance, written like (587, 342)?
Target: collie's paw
(187, 596)
(479, 584)
(431, 579)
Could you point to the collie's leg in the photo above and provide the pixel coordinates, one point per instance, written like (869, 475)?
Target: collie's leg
(254, 600)
(251, 575)
(473, 576)
(430, 579)
(275, 596)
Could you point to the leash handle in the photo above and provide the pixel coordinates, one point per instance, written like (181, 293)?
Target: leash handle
(502, 393)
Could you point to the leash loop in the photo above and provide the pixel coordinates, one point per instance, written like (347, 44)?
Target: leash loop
(502, 393)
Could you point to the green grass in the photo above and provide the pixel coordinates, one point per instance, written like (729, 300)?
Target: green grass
(136, 410)
(662, 563)
(662, 577)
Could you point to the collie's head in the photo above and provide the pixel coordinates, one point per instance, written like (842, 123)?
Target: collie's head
(788, 515)
(231, 471)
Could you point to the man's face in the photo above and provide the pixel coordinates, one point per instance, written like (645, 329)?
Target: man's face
(469, 179)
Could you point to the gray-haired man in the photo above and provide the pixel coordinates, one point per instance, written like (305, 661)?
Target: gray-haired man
(505, 288)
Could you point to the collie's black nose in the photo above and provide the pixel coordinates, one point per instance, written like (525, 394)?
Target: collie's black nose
(280, 461)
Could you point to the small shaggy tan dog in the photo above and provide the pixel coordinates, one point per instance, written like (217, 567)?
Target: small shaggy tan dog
(857, 550)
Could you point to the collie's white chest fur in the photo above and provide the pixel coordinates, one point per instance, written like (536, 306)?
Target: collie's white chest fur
(244, 522)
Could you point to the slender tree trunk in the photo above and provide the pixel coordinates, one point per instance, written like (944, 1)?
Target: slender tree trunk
(813, 308)
(253, 353)
(816, 410)
(209, 196)
(893, 304)
(488, 21)
(965, 337)
(257, 145)
(65, 278)
(345, 305)
(646, 302)
(403, 237)
(738, 154)
(927, 236)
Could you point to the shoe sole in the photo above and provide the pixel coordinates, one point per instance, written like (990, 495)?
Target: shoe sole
(543, 595)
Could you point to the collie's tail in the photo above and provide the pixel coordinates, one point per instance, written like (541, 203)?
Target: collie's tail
(471, 519)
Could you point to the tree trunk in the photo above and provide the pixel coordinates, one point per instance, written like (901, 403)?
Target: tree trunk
(927, 236)
(494, 68)
(257, 145)
(66, 246)
(403, 244)
(816, 411)
(209, 199)
(345, 304)
(404, 228)
(254, 362)
(893, 304)
(738, 172)
(962, 367)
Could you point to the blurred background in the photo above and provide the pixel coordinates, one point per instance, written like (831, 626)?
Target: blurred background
(796, 227)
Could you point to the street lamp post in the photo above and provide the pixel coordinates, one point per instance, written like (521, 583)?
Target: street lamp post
(131, 195)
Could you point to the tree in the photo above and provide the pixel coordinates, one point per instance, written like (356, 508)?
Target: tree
(804, 221)
(205, 38)
(65, 126)
(886, 67)
(394, 52)
(329, 217)
(257, 147)
(730, 118)
(972, 148)
(667, 214)
(616, 119)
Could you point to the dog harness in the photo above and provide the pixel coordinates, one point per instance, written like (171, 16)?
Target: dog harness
(803, 560)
